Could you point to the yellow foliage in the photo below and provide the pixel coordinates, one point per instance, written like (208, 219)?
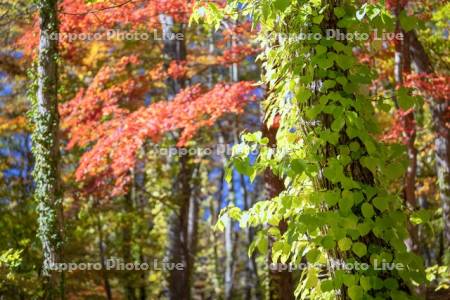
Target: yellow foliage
(12, 125)
(97, 52)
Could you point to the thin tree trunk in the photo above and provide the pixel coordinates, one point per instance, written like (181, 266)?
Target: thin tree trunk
(130, 291)
(439, 111)
(281, 285)
(46, 150)
(402, 67)
(252, 278)
(229, 259)
(101, 250)
(182, 226)
(442, 156)
(180, 281)
(214, 211)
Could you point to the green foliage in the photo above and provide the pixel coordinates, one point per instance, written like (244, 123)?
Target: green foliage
(335, 172)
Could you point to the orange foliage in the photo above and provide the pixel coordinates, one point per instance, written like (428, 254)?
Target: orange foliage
(236, 54)
(118, 140)
(83, 115)
(433, 85)
(177, 69)
(403, 127)
(79, 17)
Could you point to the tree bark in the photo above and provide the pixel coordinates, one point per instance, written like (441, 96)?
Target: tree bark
(46, 150)
(180, 248)
(402, 68)
(355, 170)
(439, 109)
(101, 250)
(281, 286)
(251, 268)
(184, 222)
(127, 238)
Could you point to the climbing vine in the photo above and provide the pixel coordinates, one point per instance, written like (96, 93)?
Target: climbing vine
(337, 203)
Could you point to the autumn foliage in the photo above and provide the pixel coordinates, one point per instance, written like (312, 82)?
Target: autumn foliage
(100, 116)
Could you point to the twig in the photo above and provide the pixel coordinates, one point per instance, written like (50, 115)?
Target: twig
(97, 10)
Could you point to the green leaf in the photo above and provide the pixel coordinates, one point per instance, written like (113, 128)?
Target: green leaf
(365, 283)
(281, 4)
(313, 255)
(370, 163)
(408, 23)
(328, 242)
(334, 172)
(367, 210)
(342, 80)
(391, 283)
(228, 174)
(328, 84)
(364, 228)
(304, 94)
(326, 285)
(331, 197)
(312, 279)
(346, 202)
(395, 170)
(359, 249)
(317, 19)
(355, 292)
(350, 87)
(339, 12)
(354, 146)
(421, 216)
(243, 166)
(345, 61)
(262, 244)
(345, 244)
(405, 101)
(235, 213)
(325, 63)
(338, 124)
(320, 49)
(381, 203)
(298, 166)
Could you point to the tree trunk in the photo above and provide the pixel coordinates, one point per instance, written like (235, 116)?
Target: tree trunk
(101, 250)
(251, 268)
(46, 149)
(439, 109)
(356, 170)
(127, 238)
(281, 285)
(183, 223)
(180, 243)
(402, 68)
(442, 156)
(229, 258)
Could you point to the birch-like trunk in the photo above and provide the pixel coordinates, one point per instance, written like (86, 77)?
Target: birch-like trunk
(46, 149)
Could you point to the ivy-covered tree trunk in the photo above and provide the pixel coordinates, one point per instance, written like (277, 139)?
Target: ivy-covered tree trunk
(338, 201)
(357, 171)
(46, 154)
